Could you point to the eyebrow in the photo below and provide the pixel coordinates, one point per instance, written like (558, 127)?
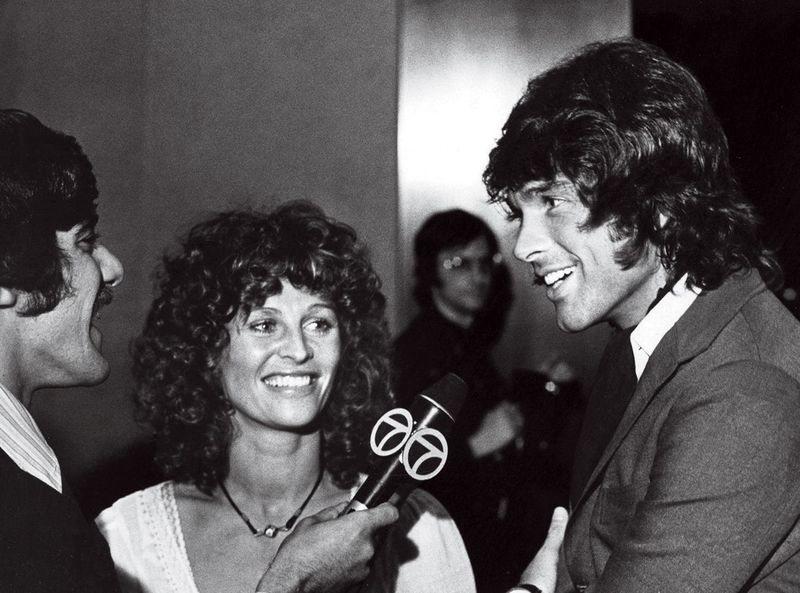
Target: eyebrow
(540, 186)
(267, 309)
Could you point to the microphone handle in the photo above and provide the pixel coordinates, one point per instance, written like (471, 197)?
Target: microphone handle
(375, 489)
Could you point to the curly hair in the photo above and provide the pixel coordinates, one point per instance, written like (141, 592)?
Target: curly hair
(636, 135)
(46, 185)
(228, 265)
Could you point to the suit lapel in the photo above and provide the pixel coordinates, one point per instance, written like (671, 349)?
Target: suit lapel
(691, 335)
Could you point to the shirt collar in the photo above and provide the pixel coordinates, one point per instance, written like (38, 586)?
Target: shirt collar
(24, 443)
(660, 320)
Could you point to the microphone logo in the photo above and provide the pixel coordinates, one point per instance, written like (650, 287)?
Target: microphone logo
(425, 454)
(424, 451)
(391, 432)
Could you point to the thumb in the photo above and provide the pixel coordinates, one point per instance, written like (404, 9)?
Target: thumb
(326, 514)
(555, 533)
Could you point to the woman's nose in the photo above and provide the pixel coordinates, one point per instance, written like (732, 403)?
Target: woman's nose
(295, 346)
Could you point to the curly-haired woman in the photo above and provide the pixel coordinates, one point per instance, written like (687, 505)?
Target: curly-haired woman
(261, 370)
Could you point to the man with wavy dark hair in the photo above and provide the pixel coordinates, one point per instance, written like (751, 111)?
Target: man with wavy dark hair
(54, 277)
(687, 473)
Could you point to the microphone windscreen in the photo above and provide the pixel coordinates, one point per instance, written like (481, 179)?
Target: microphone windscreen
(448, 393)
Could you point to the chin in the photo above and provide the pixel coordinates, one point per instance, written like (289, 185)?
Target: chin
(572, 325)
(96, 371)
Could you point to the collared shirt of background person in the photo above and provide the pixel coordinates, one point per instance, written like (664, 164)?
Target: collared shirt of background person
(54, 277)
(687, 475)
(463, 292)
(262, 368)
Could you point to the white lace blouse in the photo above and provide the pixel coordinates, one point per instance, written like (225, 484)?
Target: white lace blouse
(144, 534)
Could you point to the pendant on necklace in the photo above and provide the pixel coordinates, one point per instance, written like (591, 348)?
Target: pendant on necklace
(270, 531)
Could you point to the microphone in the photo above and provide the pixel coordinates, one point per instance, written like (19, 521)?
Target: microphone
(411, 442)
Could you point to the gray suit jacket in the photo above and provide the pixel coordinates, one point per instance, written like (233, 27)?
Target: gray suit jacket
(699, 488)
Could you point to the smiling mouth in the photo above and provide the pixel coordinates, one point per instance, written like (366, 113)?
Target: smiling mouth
(556, 277)
(289, 380)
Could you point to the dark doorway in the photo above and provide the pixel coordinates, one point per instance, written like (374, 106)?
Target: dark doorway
(746, 54)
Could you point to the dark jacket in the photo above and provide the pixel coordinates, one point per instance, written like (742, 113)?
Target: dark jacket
(699, 488)
(46, 544)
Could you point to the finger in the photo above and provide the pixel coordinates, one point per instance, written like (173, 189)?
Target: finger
(383, 514)
(558, 525)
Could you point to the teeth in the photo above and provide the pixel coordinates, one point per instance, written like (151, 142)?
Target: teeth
(554, 277)
(288, 380)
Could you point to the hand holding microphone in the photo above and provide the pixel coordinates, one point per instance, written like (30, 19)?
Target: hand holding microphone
(411, 443)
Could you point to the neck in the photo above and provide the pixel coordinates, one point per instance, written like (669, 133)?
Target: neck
(12, 368)
(458, 317)
(638, 304)
(275, 468)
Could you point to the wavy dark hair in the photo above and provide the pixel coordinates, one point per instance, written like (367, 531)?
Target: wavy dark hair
(636, 135)
(46, 185)
(228, 265)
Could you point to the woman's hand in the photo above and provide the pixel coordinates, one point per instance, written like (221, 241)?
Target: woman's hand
(543, 569)
(326, 552)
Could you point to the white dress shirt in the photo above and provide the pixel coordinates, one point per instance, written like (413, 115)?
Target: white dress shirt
(659, 320)
(24, 443)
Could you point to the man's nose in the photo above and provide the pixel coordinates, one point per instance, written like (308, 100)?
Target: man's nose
(110, 266)
(532, 238)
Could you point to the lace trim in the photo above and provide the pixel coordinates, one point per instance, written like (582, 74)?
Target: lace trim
(159, 512)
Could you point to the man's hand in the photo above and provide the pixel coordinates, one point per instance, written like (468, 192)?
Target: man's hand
(326, 553)
(499, 427)
(543, 569)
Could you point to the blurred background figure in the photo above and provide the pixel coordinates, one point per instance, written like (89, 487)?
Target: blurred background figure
(511, 449)
(463, 292)
(262, 367)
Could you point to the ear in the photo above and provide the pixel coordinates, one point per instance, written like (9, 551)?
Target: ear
(8, 297)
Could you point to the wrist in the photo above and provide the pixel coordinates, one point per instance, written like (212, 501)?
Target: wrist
(275, 580)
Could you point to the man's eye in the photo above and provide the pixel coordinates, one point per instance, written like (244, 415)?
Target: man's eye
(549, 201)
(511, 212)
(88, 241)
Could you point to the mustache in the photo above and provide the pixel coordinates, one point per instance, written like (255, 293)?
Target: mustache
(104, 298)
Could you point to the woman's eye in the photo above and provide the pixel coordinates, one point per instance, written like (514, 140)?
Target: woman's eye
(320, 325)
(264, 326)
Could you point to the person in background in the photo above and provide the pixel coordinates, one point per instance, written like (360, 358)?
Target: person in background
(261, 370)
(464, 294)
(687, 471)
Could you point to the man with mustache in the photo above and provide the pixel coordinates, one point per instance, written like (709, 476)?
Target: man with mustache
(687, 471)
(54, 277)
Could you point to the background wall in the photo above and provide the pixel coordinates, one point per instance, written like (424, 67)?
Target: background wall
(463, 65)
(187, 107)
